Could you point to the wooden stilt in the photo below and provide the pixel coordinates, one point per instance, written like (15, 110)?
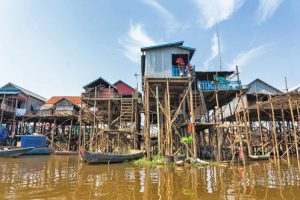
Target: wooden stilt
(294, 129)
(284, 132)
(260, 126)
(192, 111)
(275, 145)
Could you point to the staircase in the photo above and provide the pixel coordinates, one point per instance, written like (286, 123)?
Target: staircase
(127, 111)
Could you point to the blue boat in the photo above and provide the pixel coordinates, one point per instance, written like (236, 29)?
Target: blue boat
(14, 152)
(39, 142)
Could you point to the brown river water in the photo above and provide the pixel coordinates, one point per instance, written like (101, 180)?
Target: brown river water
(64, 177)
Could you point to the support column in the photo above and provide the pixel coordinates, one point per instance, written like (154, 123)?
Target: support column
(158, 119)
(274, 126)
(147, 120)
(294, 129)
(193, 119)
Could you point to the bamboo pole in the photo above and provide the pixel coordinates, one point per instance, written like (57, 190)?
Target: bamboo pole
(240, 135)
(147, 120)
(260, 126)
(52, 133)
(169, 128)
(217, 119)
(158, 118)
(246, 127)
(284, 132)
(2, 108)
(193, 120)
(274, 126)
(294, 129)
(70, 134)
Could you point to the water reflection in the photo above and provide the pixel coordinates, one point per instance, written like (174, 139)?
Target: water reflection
(62, 177)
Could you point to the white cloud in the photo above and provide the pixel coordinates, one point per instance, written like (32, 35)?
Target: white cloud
(214, 11)
(245, 57)
(214, 51)
(135, 39)
(172, 24)
(267, 8)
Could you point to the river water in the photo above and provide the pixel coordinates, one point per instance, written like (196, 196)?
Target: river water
(64, 177)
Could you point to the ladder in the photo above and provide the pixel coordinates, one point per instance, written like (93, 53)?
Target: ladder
(199, 102)
(126, 110)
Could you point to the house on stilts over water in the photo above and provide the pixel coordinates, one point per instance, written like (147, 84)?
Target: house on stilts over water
(110, 121)
(184, 103)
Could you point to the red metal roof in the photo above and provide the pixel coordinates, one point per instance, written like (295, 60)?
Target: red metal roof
(124, 88)
(72, 99)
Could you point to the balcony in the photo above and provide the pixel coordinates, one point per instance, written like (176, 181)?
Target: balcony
(176, 71)
(221, 85)
(7, 108)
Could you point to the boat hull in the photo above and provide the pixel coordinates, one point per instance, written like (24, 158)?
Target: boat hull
(67, 153)
(39, 151)
(100, 158)
(260, 157)
(14, 152)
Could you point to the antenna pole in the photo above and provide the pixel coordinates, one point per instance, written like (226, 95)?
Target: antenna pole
(219, 48)
(286, 85)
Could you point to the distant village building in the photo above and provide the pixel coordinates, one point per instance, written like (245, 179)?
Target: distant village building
(294, 89)
(256, 90)
(61, 105)
(15, 99)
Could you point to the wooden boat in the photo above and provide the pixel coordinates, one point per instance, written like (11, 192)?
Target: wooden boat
(259, 157)
(39, 142)
(67, 153)
(94, 158)
(13, 152)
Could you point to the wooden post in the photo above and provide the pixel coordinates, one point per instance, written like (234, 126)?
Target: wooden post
(193, 120)
(246, 126)
(284, 132)
(70, 134)
(2, 107)
(80, 127)
(274, 126)
(52, 133)
(217, 120)
(169, 125)
(147, 120)
(260, 126)
(237, 117)
(109, 113)
(158, 119)
(294, 129)
(92, 134)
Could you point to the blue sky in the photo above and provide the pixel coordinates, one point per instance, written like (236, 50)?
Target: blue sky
(55, 47)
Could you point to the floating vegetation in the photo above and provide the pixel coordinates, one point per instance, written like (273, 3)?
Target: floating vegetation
(187, 192)
(156, 160)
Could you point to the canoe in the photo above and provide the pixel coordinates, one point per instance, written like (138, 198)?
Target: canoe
(14, 152)
(98, 158)
(67, 153)
(259, 157)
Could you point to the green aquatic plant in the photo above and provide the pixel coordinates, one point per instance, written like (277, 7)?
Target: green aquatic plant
(214, 163)
(186, 140)
(156, 160)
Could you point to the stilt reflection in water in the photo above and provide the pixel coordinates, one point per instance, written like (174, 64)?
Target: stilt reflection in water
(63, 177)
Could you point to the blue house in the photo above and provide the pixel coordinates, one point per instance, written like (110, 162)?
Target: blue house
(160, 61)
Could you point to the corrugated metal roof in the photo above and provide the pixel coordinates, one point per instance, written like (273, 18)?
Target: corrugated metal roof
(73, 99)
(27, 92)
(100, 79)
(177, 44)
(9, 91)
(253, 84)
